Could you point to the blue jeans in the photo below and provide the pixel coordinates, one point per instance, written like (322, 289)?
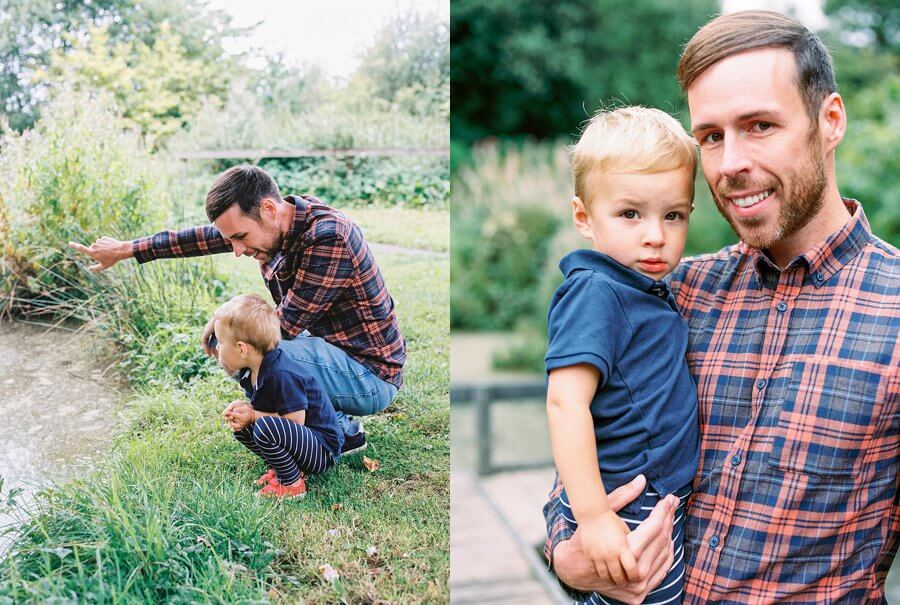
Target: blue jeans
(353, 388)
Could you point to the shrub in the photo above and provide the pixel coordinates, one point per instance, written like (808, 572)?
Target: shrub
(76, 175)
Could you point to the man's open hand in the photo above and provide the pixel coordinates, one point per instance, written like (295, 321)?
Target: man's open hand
(106, 251)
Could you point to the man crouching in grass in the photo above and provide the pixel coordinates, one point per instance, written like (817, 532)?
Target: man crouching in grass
(289, 421)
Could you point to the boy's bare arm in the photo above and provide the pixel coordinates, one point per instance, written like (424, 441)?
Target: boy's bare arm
(569, 394)
(299, 416)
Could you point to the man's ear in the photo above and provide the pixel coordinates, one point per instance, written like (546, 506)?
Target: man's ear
(832, 122)
(268, 208)
(581, 218)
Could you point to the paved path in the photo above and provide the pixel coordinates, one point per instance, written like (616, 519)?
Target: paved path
(394, 249)
(487, 563)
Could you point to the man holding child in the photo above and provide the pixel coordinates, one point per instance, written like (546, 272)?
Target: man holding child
(793, 346)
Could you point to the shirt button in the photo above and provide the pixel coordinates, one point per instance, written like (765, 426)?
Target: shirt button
(714, 541)
(761, 384)
(735, 460)
(782, 306)
(819, 276)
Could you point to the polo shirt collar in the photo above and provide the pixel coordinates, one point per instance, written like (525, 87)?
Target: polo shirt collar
(269, 359)
(592, 260)
(828, 256)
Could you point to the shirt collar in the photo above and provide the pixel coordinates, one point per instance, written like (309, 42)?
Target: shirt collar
(265, 367)
(592, 260)
(828, 256)
(301, 214)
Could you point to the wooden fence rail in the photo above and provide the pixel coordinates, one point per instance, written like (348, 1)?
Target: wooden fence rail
(259, 154)
(482, 396)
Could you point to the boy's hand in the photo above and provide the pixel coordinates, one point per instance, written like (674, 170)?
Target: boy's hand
(208, 330)
(238, 414)
(241, 416)
(604, 544)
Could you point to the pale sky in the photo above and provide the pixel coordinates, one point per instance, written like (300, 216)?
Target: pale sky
(327, 33)
(809, 12)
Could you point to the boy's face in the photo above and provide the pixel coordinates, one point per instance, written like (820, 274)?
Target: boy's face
(640, 220)
(230, 353)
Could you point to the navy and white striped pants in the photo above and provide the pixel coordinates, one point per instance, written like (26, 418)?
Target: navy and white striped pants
(671, 588)
(286, 446)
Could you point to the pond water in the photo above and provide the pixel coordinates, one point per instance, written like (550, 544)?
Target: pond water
(57, 406)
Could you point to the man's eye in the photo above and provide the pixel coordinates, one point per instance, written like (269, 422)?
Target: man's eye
(763, 126)
(713, 137)
(630, 214)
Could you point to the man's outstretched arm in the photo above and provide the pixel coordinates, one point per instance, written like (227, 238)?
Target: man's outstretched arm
(193, 241)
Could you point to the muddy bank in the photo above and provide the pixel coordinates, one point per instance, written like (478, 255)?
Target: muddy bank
(58, 409)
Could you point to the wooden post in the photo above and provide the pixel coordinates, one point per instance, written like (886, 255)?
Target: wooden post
(483, 429)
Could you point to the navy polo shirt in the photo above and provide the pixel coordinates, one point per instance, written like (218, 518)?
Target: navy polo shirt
(283, 386)
(645, 408)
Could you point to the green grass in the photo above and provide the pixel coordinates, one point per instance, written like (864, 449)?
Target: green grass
(409, 227)
(172, 515)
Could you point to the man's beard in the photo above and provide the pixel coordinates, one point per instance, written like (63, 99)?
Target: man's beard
(806, 199)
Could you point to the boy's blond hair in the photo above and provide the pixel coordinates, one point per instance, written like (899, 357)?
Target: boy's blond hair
(631, 140)
(251, 319)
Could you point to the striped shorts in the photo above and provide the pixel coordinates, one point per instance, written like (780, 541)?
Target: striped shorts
(286, 446)
(671, 588)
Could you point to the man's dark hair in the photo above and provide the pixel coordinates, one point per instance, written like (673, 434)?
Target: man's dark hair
(245, 186)
(735, 33)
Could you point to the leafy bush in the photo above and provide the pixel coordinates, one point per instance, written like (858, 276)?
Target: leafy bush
(76, 175)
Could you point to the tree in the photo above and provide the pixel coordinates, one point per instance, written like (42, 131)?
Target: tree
(32, 30)
(540, 68)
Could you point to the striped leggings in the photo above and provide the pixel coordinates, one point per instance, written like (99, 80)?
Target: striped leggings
(670, 589)
(286, 446)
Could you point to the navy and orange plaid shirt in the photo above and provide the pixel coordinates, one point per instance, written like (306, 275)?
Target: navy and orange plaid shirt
(324, 280)
(798, 379)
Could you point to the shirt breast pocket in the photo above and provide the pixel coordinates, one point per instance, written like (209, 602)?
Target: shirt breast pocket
(829, 419)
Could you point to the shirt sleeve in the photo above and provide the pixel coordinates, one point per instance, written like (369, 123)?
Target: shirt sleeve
(193, 241)
(324, 272)
(289, 393)
(586, 324)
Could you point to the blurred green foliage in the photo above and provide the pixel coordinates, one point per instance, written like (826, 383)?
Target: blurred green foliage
(541, 68)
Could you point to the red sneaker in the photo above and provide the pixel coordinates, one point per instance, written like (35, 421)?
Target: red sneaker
(277, 490)
(267, 477)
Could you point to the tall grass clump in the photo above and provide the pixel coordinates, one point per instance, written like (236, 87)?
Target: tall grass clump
(75, 176)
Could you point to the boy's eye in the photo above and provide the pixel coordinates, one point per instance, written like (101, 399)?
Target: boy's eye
(674, 216)
(630, 214)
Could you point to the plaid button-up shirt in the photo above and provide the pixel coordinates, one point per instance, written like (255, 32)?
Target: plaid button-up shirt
(798, 379)
(324, 280)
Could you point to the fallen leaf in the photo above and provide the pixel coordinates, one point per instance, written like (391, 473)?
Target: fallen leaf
(329, 573)
(371, 551)
(332, 533)
(337, 506)
(273, 594)
(370, 464)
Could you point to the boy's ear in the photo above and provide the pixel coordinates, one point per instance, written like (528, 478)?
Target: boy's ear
(244, 347)
(581, 218)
